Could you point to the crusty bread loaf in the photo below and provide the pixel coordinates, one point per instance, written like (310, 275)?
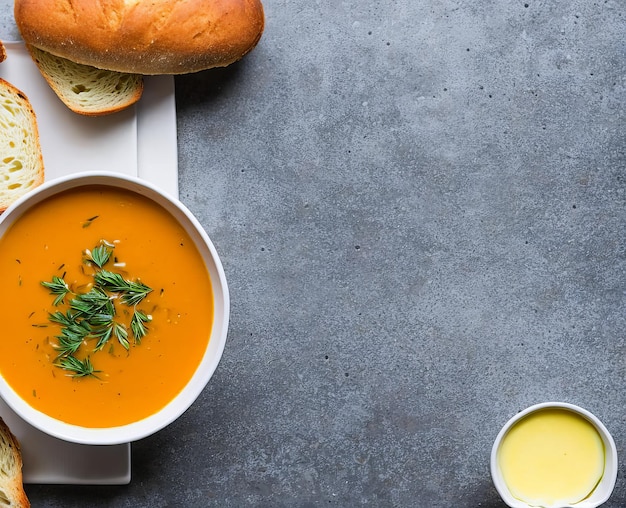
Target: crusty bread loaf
(12, 493)
(143, 36)
(87, 90)
(21, 160)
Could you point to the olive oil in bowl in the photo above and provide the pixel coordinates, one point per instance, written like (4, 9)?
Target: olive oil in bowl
(553, 456)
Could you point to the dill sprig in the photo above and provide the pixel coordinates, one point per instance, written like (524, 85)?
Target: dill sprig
(104, 327)
(95, 301)
(59, 288)
(138, 325)
(80, 368)
(99, 255)
(92, 316)
(131, 292)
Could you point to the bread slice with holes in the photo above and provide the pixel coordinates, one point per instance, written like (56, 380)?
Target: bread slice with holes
(21, 160)
(85, 89)
(12, 493)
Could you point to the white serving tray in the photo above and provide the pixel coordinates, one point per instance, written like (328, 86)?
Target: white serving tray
(140, 141)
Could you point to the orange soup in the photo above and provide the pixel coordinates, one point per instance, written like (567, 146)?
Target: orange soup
(148, 246)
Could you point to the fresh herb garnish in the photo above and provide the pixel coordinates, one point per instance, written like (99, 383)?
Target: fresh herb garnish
(138, 325)
(99, 255)
(131, 292)
(57, 287)
(92, 315)
(79, 368)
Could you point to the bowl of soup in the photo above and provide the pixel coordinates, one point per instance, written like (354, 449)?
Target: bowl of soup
(554, 455)
(116, 308)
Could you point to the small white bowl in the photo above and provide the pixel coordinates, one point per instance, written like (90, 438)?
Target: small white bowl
(603, 490)
(212, 355)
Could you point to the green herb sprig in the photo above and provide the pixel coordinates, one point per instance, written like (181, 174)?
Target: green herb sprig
(130, 292)
(93, 316)
(59, 288)
(79, 368)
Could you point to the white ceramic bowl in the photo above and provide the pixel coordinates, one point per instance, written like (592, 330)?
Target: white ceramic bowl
(212, 355)
(603, 490)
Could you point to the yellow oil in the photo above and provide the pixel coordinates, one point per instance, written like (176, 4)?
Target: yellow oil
(552, 457)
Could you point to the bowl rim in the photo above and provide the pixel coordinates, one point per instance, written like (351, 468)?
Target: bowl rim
(186, 397)
(601, 492)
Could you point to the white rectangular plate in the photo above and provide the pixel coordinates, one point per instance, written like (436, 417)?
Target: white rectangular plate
(140, 141)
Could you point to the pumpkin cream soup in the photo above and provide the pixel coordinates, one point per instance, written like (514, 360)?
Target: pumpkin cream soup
(109, 307)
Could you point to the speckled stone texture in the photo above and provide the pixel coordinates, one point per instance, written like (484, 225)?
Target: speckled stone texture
(420, 208)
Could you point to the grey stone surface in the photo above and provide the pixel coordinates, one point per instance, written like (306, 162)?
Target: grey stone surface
(420, 208)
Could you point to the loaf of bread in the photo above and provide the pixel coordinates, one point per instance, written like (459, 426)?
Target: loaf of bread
(87, 90)
(21, 160)
(143, 36)
(12, 493)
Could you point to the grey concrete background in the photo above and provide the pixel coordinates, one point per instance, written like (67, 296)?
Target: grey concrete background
(420, 208)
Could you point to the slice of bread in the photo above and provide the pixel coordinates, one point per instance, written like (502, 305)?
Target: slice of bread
(12, 493)
(87, 90)
(21, 161)
(3, 52)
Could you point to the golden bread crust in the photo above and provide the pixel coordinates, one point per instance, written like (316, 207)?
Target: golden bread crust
(141, 36)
